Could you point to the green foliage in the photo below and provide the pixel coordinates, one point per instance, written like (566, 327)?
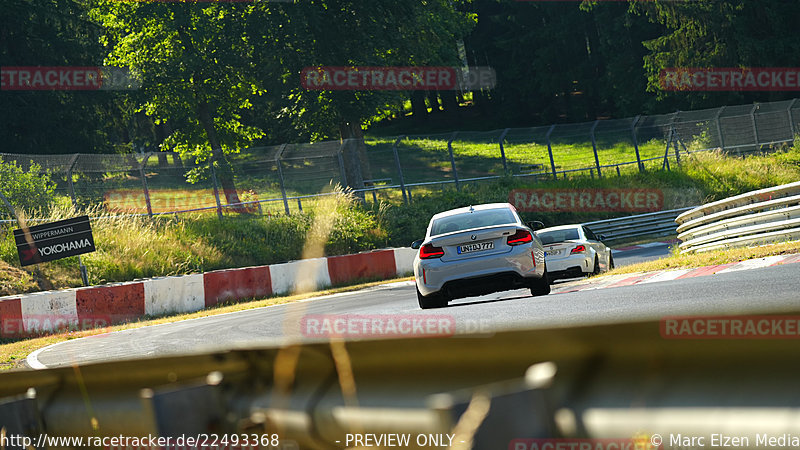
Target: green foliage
(28, 190)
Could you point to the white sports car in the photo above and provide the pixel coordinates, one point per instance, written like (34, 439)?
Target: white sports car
(574, 251)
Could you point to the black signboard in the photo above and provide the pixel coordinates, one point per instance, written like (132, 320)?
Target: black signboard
(54, 240)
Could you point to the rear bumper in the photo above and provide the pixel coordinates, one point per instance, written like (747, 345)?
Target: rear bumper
(571, 272)
(484, 285)
(575, 265)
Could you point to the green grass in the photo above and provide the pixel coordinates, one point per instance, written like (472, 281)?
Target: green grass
(428, 159)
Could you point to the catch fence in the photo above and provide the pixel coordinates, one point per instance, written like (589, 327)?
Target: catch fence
(281, 179)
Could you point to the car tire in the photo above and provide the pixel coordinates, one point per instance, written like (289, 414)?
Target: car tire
(610, 262)
(596, 270)
(541, 286)
(438, 300)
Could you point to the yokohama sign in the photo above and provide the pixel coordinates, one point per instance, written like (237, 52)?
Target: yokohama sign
(54, 241)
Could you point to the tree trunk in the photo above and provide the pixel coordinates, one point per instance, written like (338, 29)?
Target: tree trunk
(418, 109)
(224, 170)
(433, 99)
(356, 162)
(450, 103)
(223, 167)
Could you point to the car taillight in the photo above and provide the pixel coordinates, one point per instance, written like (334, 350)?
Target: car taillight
(520, 237)
(578, 249)
(428, 251)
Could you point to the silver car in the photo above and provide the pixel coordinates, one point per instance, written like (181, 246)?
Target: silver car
(574, 251)
(476, 251)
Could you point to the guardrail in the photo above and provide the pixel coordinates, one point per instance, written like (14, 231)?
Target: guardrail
(661, 223)
(587, 382)
(757, 217)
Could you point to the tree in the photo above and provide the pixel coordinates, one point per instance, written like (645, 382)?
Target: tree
(736, 33)
(204, 66)
(197, 71)
(28, 189)
(57, 33)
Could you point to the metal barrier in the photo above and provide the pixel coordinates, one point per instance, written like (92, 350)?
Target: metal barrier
(605, 381)
(661, 223)
(757, 217)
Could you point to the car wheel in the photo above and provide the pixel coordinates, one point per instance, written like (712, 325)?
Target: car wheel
(541, 286)
(438, 300)
(610, 262)
(596, 270)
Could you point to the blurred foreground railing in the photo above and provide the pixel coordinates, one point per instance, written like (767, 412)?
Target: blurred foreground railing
(615, 381)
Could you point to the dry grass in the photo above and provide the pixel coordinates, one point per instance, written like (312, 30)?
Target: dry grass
(688, 261)
(14, 280)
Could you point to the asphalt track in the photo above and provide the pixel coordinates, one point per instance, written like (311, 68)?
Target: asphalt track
(765, 290)
(646, 253)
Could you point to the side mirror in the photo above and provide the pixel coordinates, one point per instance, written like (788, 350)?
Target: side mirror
(535, 225)
(601, 237)
(417, 244)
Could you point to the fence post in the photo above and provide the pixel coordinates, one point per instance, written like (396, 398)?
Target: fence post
(550, 151)
(636, 143)
(677, 151)
(10, 209)
(280, 178)
(144, 184)
(673, 133)
(400, 168)
(453, 159)
(791, 119)
(69, 179)
(216, 188)
(594, 148)
(755, 126)
(503, 150)
(719, 129)
(666, 151)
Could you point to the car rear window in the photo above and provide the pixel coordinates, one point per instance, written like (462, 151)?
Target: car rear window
(555, 236)
(475, 219)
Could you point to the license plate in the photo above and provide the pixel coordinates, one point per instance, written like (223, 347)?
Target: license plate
(552, 253)
(476, 247)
